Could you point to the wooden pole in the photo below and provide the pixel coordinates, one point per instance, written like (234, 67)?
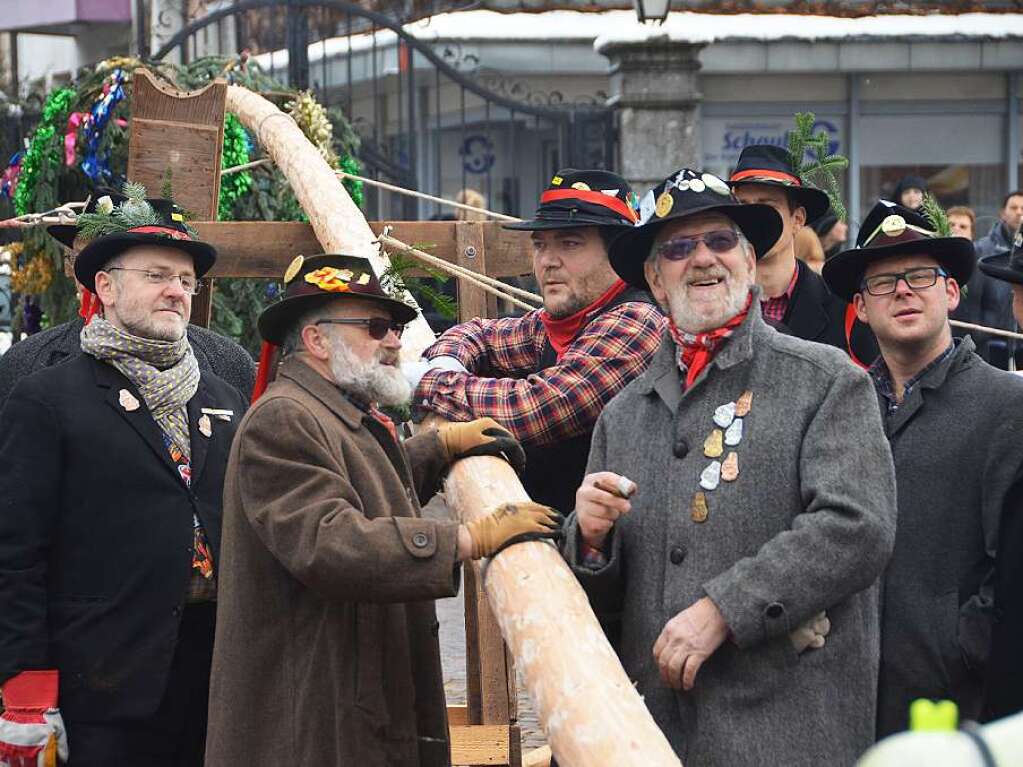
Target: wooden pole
(591, 713)
(337, 221)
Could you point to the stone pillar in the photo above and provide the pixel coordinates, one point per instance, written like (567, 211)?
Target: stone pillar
(655, 92)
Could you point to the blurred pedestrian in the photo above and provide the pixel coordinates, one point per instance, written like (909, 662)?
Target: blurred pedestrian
(909, 192)
(832, 232)
(808, 249)
(962, 221)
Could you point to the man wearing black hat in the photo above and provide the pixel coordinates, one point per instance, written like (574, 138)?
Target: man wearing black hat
(1004, 685)
(795, 298)
(751, 518)
(215, 353)
(327, 649)
(953, 422)
(546, 376)
(111, 477)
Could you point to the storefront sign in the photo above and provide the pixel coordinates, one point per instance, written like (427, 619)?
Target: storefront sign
(724, 138)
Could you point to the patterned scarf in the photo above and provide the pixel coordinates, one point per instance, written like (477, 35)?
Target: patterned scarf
(165, 372)
(696, 351)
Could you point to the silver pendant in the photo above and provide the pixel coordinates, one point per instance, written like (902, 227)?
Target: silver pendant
(724, 415)
(710, 478)
(733, 435)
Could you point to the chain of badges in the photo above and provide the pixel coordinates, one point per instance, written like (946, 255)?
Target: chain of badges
(727, 433)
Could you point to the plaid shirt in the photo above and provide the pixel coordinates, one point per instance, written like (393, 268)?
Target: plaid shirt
(883, 379)
(774, 308)
(559, 402)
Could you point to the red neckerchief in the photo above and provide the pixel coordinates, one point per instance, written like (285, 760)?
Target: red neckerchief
(380, 417)
(696, 351)
(562, 332)
(89, 306)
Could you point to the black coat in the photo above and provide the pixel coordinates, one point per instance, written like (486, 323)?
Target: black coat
(96, 534)
(816, 314)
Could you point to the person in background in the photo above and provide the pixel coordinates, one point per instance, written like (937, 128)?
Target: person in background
(910, 191)
(962, 221)
(832, 232)
(808, 249)
(470, 196)
(996, 298)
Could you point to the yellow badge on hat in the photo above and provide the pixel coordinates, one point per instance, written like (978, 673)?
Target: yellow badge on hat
(330, 279)
(293, 268)
(664, 204)
(893, 225)
(556, 181)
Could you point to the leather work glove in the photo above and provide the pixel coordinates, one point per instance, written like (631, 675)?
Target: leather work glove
(812, 633)
(31, 729)
(484, 436)
(512, 523)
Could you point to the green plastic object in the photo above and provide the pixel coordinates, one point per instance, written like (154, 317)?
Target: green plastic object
(933, 715)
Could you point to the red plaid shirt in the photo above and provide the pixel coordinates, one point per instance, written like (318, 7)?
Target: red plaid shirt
(557, 403)
(774, 308)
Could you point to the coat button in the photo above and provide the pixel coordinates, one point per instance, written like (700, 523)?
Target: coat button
(420, 540)
(775, 610)
(681, 449)
(677, 555)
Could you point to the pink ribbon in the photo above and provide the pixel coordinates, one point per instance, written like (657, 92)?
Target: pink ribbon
(74, 121)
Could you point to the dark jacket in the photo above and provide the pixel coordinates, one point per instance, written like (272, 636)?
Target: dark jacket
(326, 650)
(815, 314)
(956, 443)
(988, 301)
(215, 353)
(96, 534)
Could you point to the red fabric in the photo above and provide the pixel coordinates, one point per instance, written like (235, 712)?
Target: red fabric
(562, 332)
(385, 421)
(174, 234)
(775, 174)
(698, 350)
(774, 308)
(264, 374)
(31, 690)
(595, 198)
(850, 320)
(89, 306)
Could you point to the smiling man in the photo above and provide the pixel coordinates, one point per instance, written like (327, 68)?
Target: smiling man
(953, 422)
(546, 376)
(750, 519)
(111, 481)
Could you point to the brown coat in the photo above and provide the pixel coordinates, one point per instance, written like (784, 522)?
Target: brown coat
(326, 650)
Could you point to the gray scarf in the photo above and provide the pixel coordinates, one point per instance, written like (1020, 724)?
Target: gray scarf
(165, 373)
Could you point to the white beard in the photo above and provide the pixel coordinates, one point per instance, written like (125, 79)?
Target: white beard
(371, 380)
(692, 319)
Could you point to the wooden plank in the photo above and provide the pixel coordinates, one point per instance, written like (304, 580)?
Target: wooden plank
(156, 100)
(458, 716)
(486, 669)
(260, 249)
(480, 745)
(509, 253)
(472, 302)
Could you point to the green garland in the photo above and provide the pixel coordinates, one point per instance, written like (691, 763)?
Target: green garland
(43, 156)
(236, 152)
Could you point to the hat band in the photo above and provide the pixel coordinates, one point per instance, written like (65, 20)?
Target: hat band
(594, 198)
(164, 230)
(767, 175)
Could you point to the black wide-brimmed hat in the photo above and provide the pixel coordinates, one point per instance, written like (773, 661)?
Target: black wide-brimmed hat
(772, 166)
(893, 230)
(577, 198)
(135, 220)
(1008, 265)
(316, 280)
(65, 233)
(683, 194)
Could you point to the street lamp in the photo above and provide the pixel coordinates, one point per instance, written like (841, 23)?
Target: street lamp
(652, 10)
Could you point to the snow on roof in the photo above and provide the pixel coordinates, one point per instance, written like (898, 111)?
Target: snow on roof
(616, 26)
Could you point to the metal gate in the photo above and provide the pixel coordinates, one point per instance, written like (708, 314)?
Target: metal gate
(427, 117)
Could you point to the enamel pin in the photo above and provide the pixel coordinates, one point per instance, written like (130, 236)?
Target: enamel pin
(220, 415)
(128, 400)
(205, 425)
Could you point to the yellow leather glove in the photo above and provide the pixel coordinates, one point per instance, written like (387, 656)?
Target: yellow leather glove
(484, 436)
(512, 523)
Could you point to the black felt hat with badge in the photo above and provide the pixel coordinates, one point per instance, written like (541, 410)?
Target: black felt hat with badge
(683, 194)
(316, 280)
(893, 230)
(1006, 266)
(772, 166)
(119, 222)
(577, 198)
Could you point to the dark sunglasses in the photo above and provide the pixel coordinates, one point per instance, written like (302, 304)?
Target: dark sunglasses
(377, 326)
(681, 248)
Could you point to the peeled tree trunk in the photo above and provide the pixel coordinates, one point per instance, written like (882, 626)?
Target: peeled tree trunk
(337, 221)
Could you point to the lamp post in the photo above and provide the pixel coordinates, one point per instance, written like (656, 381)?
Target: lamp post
(652, 10)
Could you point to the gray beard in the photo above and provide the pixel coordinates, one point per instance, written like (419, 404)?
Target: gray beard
(691, 321)
(370, 380)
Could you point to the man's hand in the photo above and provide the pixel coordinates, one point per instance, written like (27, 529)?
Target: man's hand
(598, 505)
(484, 436)
(812, 633)
(31, 729)
(512, 523)
(414, 371)
(687, 640)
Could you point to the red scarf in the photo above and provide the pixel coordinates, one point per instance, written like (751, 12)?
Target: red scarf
(89, 306)
(562, 332)
(696, 351)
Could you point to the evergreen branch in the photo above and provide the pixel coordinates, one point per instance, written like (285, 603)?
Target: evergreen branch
(935, 214)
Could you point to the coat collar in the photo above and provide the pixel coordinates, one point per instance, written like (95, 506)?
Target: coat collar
(664, 377)
(932, 379)
(807, 315)
(299, 373)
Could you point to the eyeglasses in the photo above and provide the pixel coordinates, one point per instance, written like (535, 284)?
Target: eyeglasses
(190, 285)
(377, 326)
(681, 248)
(917, 279)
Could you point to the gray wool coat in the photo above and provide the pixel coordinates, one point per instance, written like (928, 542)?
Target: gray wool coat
(808, 526)
(958, 456)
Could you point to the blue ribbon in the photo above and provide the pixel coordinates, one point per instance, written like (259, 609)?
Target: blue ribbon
(96, 163)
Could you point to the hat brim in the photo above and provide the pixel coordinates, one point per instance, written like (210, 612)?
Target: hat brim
(63, 233)
(815, 201)
(277, 320)
(569, 222)
(760, 224)
(100, 251)
(843, 272)
(997, 266)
